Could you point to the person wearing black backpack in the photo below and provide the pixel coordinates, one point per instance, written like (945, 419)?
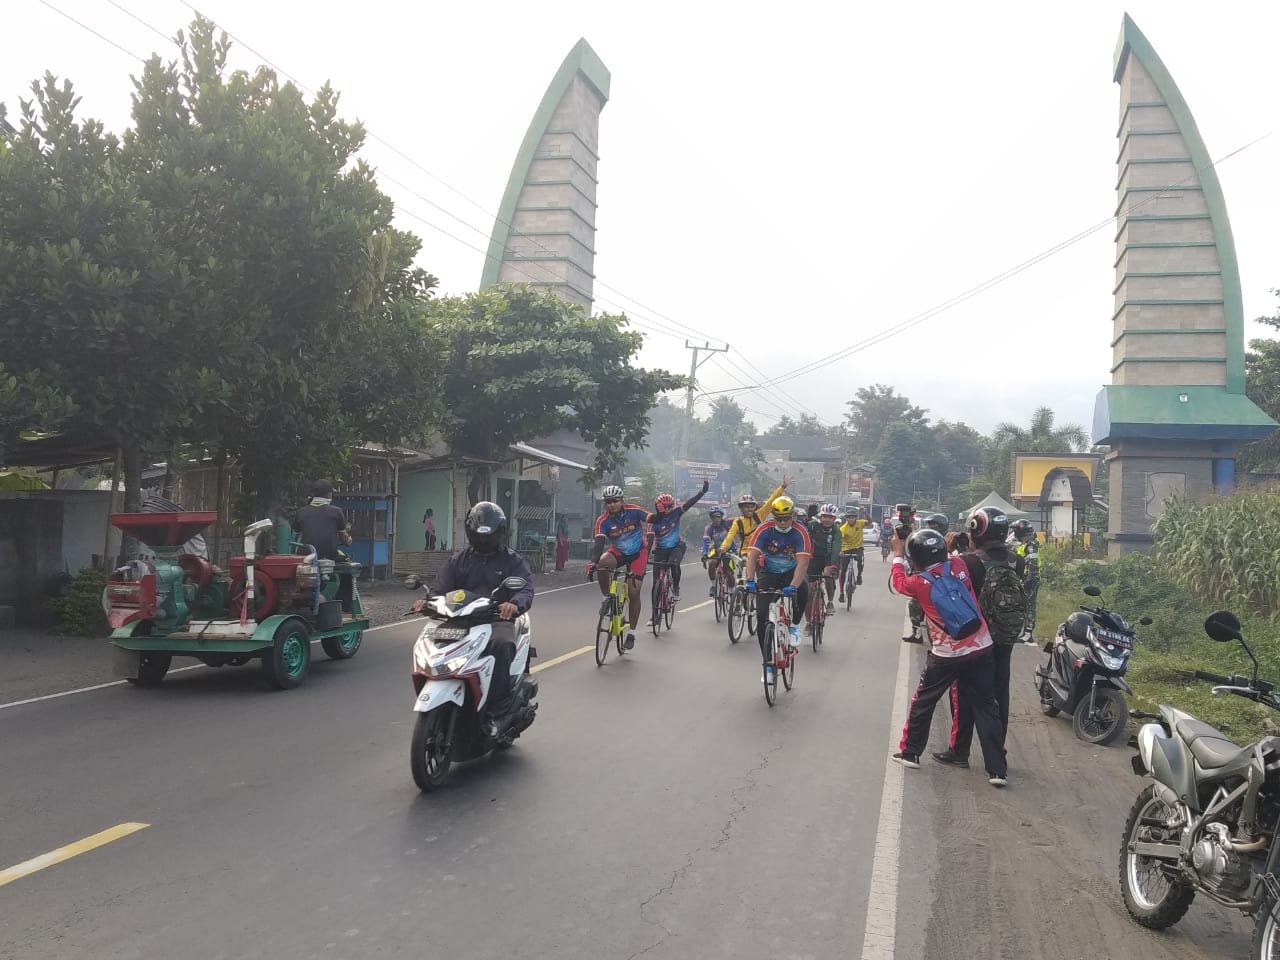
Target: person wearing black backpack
(960, 646)
(1003, 602)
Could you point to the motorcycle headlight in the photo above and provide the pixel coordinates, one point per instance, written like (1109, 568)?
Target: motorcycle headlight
(454, 665)
(1110, 662)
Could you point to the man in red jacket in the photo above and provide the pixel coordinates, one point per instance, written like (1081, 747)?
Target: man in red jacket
(965, 659)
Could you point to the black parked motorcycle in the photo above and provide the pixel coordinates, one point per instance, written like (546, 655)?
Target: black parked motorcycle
(1084, 675)
(1210, 820)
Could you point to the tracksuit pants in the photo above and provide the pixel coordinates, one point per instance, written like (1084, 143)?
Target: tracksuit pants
(962, 712)
(975, 675)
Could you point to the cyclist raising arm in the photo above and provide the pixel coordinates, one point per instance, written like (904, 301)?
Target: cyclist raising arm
(665, 525)
(753, 514)
(622, 541)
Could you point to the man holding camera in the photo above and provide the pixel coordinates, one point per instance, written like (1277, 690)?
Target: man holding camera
(960, 646)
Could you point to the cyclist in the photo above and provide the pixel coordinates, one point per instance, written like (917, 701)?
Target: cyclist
(1022, 537)
(825, 537)
(712, 534)
(783, 548)
(622, 540)
(664, 523)
(753, 514)
(852, 534)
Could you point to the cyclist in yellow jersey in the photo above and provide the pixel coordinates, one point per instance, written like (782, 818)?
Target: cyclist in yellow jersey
(851, 543)
(753, 514)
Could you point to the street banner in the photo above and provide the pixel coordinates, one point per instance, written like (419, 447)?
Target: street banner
(689, 475)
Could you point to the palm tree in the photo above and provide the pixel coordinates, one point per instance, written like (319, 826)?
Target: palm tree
(1041, 436)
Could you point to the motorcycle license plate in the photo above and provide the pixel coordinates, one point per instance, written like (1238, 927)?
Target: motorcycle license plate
(1115, 639)
(449, 633)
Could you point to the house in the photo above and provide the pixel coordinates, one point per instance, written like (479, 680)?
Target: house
(816, 466)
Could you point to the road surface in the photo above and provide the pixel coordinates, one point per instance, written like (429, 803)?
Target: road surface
(657, 807)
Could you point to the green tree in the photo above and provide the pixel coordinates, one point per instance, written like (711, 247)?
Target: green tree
(29, 403)
(1262, 384)
(872, 411)
(1041, 435)
(516, 364)
(305, 309)
(728, 437)
(902, 463)
(807, 425)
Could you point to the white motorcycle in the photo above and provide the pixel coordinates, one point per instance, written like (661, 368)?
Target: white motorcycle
(452, 673)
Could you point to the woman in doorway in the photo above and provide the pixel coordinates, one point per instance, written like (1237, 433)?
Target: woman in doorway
(429, 528)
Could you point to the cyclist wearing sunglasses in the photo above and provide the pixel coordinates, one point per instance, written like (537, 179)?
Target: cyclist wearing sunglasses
(622, 540)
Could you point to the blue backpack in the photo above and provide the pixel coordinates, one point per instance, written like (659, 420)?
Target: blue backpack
(954, 602)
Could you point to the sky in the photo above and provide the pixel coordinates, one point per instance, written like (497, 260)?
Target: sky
(790, 182)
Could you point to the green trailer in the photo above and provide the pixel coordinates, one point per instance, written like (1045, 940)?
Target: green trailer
(272, 608)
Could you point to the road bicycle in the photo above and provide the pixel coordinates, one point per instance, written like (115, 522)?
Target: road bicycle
(742, 612)
(817, 610)
(663, 597)
(778, 653)
(723, 587)
(611, 629)
(850, 583)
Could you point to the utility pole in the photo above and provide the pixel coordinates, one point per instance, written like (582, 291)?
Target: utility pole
(688, 394)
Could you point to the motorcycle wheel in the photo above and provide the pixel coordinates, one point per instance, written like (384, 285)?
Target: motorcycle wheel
(429, 760)
(1266, 932)
(1152, 897)
(1110, 716)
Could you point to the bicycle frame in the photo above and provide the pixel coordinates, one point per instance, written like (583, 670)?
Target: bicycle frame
(620, 591)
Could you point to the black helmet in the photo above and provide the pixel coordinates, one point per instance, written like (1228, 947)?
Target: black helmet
(1023, 530)
(486, 527)
(937, 521)
(811, 511)
(988, 525)
(925, 548)
(1077, 626)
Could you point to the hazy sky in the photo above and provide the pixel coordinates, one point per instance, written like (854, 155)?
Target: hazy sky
(789, 180)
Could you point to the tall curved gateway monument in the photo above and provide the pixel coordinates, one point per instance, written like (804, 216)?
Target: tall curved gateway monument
(544, 235)
(1176, 411)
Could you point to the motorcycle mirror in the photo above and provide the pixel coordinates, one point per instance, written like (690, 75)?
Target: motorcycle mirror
(412, 582)
(1093, 591)
(1145, 622)
(1223, 626)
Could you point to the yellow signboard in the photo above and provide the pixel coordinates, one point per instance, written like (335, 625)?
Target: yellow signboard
(1030, 470)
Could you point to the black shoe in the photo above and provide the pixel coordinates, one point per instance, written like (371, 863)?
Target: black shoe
(950, 759)
(859, 583)
(914, 638)
(909, 760)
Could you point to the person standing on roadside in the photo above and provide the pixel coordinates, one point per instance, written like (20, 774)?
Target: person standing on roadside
(960, 648)
(1003, 604)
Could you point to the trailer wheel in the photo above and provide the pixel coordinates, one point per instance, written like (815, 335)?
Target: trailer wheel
(286, 662)
(151, 669)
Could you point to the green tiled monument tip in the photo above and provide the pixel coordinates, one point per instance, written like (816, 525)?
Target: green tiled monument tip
(582, 60)
(1133, 43)
(1129, 412)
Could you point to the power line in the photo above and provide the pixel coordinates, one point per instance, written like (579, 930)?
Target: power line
(84, 26)
(146, 23)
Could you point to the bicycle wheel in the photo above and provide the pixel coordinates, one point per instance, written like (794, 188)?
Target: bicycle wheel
(770, 677)
(850, 584)
(669, 605)
(737, 614)
(604, 634)
(655, 601)
(751, 616)
(816, 631)
(622, 604)
(789, 671)
(721, 606)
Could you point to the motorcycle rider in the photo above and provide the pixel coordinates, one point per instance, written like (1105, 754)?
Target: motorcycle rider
(324, 526)
(481, 568)
(1001, 599)
(964, 659)
(664, 524)
(1023, 539)
(712, 534)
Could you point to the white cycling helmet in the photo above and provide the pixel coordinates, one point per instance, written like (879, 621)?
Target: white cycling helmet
(610, 492)
(828, 510)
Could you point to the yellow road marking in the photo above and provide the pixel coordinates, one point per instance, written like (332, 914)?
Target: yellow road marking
(35, 864)
(554, 661)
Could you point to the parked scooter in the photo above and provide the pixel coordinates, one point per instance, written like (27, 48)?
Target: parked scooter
(1209, 821)
(1084, 675)
(452, 672)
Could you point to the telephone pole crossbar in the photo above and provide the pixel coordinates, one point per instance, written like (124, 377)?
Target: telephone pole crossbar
(708, 349)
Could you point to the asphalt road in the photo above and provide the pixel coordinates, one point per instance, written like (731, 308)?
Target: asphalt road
(656, 807)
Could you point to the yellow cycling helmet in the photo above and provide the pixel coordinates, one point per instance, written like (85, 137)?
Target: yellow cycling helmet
(783, 507)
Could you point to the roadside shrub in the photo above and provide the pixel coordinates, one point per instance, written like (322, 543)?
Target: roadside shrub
(77, 611)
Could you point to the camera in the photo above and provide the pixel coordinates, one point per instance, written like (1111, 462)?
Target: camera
(906, 514)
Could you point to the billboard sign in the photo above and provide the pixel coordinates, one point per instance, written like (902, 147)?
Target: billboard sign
(689, 475)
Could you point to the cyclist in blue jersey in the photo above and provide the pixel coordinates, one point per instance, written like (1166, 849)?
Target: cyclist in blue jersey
(622, 540)
(668, 547)
(712, 534)
(783, 548)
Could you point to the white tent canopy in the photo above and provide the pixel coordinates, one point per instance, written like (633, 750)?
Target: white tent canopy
(994, 499)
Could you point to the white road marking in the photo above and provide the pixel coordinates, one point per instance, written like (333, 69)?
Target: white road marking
(201, 666)
(879, 937)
